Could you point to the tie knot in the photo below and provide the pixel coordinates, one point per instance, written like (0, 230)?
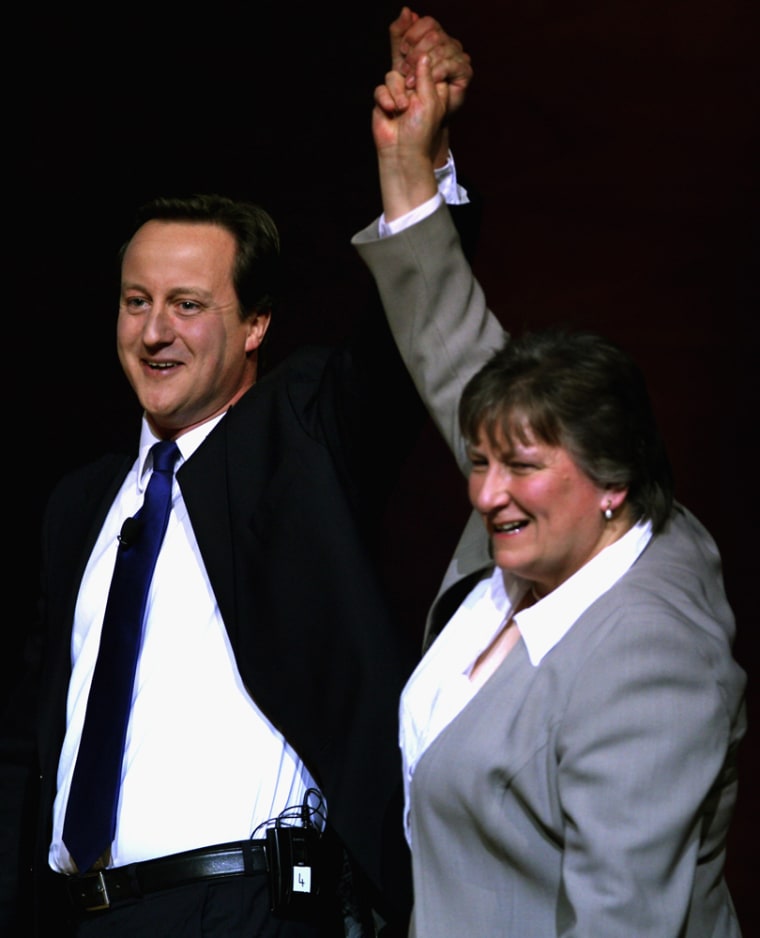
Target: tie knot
(165, 455)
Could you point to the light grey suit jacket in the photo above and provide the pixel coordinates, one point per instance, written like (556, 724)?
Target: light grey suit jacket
(588, 797)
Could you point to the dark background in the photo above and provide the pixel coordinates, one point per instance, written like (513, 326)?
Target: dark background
(615, 146)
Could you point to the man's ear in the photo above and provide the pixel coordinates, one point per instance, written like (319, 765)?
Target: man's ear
(258, 325)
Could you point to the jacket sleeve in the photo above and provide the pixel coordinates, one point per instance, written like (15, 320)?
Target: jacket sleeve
(436, 310)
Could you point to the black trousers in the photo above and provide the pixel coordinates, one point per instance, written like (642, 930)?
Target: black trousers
(237, 907)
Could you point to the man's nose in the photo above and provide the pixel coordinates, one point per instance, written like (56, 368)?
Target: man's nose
(158, 326)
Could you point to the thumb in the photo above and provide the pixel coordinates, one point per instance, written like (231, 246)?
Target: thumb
(423, 77)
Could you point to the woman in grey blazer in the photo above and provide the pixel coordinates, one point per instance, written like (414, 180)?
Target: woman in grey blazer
(569, 738)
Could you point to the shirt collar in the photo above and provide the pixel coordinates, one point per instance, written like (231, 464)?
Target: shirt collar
(545, 623)
(188, 443)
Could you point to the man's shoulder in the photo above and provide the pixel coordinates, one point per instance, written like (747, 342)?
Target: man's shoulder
(304, 365)
(283, 367)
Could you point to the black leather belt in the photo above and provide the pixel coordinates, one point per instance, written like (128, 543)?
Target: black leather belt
(94, 892)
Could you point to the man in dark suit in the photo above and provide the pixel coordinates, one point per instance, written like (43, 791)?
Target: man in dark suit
(266, 690)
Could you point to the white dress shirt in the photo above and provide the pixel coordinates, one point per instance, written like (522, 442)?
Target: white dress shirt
(196, 741)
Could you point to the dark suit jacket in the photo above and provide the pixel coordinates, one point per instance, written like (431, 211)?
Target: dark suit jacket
(287, 489)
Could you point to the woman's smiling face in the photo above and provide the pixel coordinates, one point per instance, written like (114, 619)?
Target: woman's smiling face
(544, 515)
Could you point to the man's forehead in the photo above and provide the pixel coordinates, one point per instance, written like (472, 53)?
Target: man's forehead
(170, 257)
(171, 234)
(204, 248)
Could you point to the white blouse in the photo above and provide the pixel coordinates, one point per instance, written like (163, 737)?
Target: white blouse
(440, 686)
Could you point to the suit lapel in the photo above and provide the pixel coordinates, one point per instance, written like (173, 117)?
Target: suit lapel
(472, 560)
(204, 481)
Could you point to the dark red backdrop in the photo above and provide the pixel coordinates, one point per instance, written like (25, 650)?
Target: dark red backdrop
(615, 146)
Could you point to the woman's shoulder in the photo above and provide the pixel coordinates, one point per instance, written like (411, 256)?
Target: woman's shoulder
(677, 584)
(682, 553)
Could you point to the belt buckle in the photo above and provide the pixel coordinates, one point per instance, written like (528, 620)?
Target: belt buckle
(98, 892)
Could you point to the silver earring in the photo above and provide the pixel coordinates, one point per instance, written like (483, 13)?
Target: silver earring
(608, 513)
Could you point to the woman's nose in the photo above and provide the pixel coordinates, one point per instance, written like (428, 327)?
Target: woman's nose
(491, 490)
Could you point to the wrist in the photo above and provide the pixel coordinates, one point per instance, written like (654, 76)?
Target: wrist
(442, 152)
(407, 180)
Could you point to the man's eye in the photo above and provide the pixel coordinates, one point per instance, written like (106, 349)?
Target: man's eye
(188, 307)
(134, 302)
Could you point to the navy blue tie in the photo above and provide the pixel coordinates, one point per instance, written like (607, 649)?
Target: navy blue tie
(90, 821)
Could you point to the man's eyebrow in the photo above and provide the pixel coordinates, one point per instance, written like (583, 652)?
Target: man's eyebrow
(132, 285)
(178, 291)
(197, 292)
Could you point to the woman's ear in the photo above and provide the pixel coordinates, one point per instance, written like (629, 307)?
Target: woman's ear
(612, 500)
